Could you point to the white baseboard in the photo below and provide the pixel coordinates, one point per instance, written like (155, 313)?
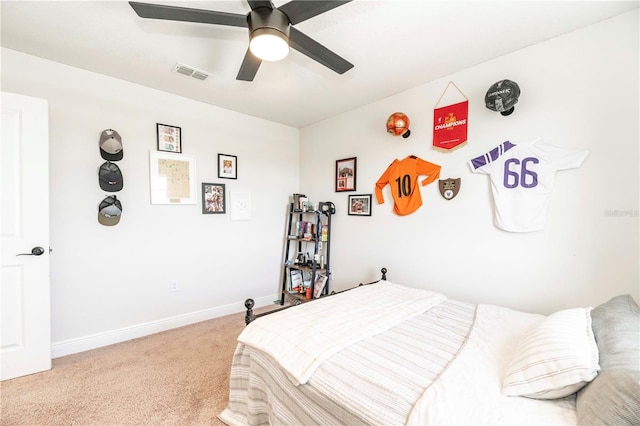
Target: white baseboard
(94, 341)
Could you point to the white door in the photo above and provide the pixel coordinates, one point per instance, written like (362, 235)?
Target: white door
(25, 339)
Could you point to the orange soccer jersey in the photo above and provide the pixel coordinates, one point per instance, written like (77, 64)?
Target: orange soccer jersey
(402, 176)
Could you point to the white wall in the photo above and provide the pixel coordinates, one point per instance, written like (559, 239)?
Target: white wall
(112, 283)
(580, 91)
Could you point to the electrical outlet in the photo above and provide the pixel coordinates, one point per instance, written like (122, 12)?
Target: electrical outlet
(174, 286)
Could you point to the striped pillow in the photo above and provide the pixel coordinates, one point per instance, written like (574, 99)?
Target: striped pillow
(555, 358)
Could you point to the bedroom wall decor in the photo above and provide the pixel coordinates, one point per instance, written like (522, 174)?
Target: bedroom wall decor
(398, 125)
(346, 170)
(172, 178)
(502, 96)
(213, 198)
(109, 211)
(522, 177)
(111, 148)
(449, 188)
(110, 177)
(402, 177)
(227, 166)
(359, 205)
(450, 122)
(169, 138)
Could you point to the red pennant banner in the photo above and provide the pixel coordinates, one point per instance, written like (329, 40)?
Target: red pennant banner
(450, 125)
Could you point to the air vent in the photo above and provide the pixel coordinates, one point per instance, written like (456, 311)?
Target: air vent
(190, 71)
(199, 75)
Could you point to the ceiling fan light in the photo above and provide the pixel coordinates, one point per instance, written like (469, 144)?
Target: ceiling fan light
(269, 44)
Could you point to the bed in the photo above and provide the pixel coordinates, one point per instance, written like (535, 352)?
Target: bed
(387, 354)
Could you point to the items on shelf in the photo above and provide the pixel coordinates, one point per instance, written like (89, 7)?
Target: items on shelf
(307, 249)
(321, 281)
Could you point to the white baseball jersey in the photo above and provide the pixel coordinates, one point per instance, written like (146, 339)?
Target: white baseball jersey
(522, 177)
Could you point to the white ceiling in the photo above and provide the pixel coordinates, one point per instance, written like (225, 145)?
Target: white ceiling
(394, 45)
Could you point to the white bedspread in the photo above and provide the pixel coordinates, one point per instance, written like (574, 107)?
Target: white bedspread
(304, 336)
(470, 390)
(441, 367)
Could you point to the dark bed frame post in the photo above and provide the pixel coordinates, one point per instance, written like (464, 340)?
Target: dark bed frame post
(249, 304)
(383, 278)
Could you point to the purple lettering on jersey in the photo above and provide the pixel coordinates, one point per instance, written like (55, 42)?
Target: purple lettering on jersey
(526, 177)
(528, 172)
(510, 178)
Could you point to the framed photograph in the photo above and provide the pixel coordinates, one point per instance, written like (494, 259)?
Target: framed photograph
(360, 205)
(227, 166)
(169, 138)
(346, 174)
(172, 178)
(318, 286)
(213, 198)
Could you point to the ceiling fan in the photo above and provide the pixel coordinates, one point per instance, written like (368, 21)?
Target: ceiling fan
(271, 30)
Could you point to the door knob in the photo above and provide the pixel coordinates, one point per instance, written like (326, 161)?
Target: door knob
(36, 251)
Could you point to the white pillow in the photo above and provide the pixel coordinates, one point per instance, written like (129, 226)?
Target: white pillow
(555, 358)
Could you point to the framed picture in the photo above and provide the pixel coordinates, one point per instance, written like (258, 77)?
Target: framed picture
(346, 174)
(169, 138)
(172, 178)
(318, 286)
(213, 198)
(227, 166)
(360, 205)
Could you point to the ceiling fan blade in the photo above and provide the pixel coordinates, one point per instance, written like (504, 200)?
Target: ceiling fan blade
(249, 67)
(308, 46)
(175, 13)
(301, 10)
(256, 4)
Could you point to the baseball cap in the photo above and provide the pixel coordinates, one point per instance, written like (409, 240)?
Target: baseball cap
(502, 96)
(110, 177)
(111, 145)
(109, 211)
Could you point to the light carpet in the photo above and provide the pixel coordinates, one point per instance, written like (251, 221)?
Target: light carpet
(177, 377)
